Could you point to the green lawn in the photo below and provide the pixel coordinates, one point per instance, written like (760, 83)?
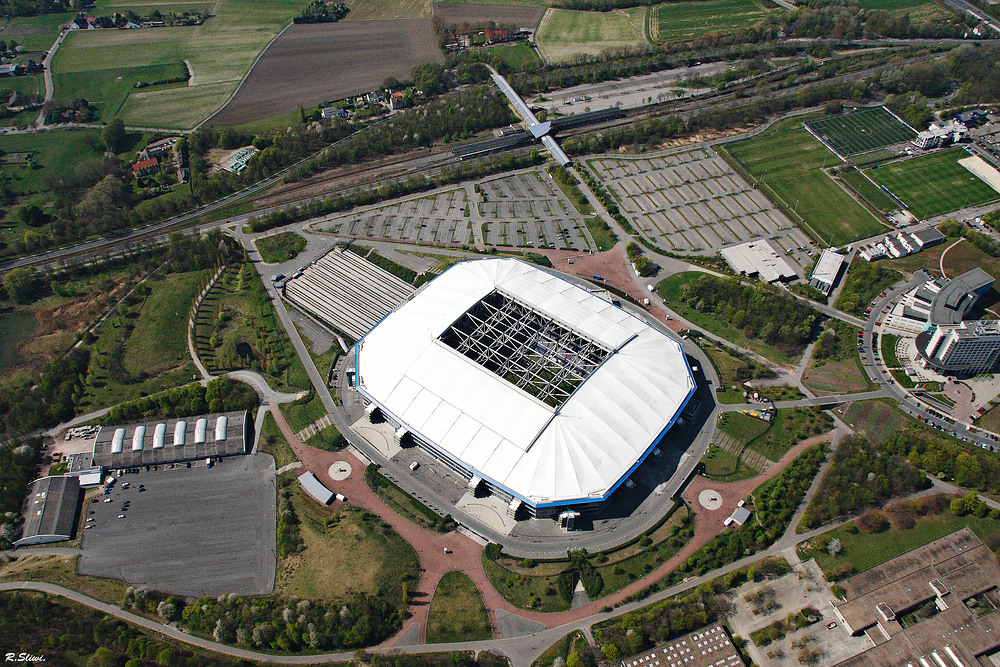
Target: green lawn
(722, 466)
(220, 52)
(273, 442)
(730, 369)
(876, 418)
(934, 184)
(917, 10)
(280, 247)
(742, 428)
(685, 21)
(862, 551)
(516, 55)
(159, 340)
(888, 344)
(457, 613)
(108, 89)
(35, 33)
(789, 428)
(788, 162)
(564, 33)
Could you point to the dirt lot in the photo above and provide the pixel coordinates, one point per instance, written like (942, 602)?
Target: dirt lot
(522, 17)
(308, 64)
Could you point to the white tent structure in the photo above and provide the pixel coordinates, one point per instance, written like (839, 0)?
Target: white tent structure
(550, 394)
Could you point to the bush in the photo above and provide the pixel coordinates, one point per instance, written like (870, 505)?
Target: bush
(873, 522)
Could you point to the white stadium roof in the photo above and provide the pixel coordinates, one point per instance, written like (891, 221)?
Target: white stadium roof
(589, 388)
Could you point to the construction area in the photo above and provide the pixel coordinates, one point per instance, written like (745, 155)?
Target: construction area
(187, 530)
(693, 201)
(346, 291)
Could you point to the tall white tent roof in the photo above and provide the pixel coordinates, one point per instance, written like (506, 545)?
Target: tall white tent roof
(578, 451)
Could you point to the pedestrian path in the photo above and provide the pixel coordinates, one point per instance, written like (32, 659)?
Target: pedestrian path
(314, 428)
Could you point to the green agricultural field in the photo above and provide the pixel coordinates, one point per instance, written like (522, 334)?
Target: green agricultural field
(788, 162)
(457, 613)
(218, 52)
(564, 33)
(918, 10)
(685, 21)
(852, 133)
(934, 184)
(35, 33)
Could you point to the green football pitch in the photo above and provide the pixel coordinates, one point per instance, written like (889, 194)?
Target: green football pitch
(934, 184)
(861, 131)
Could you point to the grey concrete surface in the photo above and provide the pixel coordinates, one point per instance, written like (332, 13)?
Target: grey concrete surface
(193, 531)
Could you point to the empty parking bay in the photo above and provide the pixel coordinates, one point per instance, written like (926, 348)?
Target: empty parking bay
(192, 531)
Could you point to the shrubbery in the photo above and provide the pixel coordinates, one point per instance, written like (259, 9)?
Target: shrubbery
(220, 395)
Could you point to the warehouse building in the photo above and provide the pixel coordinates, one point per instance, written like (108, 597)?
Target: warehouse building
(50, 511)
(173, 440)
(759, 258)
(524, 383)
(710, 646)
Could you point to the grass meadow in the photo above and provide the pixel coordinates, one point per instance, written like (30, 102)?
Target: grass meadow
(457, 612)
(788, 163)
(933, 184)
(564, 33)
(35, 33)
(918, 10)
(685, 21)
(219, 53)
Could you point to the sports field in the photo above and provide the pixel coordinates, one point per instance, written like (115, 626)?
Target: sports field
(685, 21)
(788, 163)
(564, 34)
(861, 131)
(219, 53)
(934, 184)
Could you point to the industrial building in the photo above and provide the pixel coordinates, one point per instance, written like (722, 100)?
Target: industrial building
(346, 291)
(50, 510)
(901, 245)
(964, 349)
(759, 258)
(710, 646)
(315, 488)
(935, 605)
(524, 383)
(173, 440)
(827, 271)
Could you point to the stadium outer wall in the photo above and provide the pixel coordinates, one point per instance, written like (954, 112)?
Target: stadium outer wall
(533, 509)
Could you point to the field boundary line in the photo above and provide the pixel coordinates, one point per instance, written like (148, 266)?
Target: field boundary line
(542, 51)
(246, 75)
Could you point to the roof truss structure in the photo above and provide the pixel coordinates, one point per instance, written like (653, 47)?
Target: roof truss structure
(528, 349)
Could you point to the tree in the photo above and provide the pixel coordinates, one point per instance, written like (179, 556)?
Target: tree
(20, 284)
(113, 135)
(31, 215)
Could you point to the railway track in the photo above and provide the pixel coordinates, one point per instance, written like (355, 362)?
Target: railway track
(407, 165)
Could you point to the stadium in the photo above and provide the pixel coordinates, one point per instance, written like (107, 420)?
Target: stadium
(525, 383)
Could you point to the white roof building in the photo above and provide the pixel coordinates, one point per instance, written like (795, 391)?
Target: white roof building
(760, 258)
(827, 270)
(550, 394)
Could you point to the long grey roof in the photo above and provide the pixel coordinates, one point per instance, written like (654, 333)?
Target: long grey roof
(50, 510)
(958, 296)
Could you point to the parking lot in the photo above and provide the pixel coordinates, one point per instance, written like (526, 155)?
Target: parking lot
(521, 209)
(528, 209)
(191, 531)
(441, 218)
(693, 201)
